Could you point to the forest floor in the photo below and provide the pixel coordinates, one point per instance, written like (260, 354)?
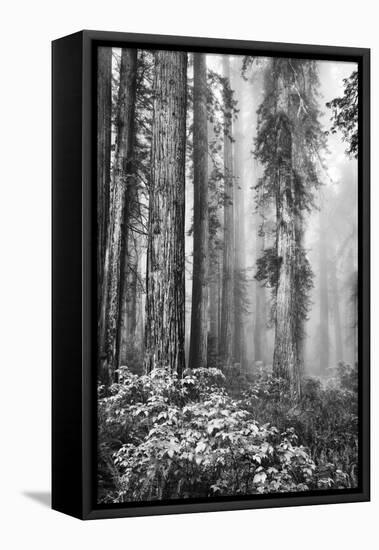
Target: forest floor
(220, 433)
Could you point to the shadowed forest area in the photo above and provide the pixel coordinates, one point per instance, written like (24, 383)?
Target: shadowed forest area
(227, 268)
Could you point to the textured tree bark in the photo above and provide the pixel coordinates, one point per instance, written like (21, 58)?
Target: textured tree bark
(115, 254)
(104, 110)
(129, 279)
(129, 264)
(165, 282)
(227, 306)
(260, 303)
(199, 311)
(286, 362)
(213, 309)
(132, 285)
(214, 265)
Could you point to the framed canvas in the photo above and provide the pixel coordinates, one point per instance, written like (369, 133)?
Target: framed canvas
(210, 275)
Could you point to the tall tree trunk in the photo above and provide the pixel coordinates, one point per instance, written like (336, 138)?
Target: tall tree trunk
(288, 136)
(213, 340)
(260, 299)
(128, 314)
(239, 235)
(165, 282)
(104, 111)
(140, 313)
(324, 299)
(214, 256)
(220, 289)
(132, 295)
(199, 311)
(285, 363)
(129, 265)
(227, 307)
(300, 323)
(286, 359)
(114, 256)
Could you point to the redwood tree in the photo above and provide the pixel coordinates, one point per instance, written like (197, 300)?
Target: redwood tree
(165, 283)
(227, 306)
(239, 227)
(199, 311)
(288, 142)
(104, 112)
(214, 247)
(111, 302)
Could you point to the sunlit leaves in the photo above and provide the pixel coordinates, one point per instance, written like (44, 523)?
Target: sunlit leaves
(188, 437)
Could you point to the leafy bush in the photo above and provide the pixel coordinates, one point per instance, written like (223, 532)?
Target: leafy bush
(325, 420)
(163, 437)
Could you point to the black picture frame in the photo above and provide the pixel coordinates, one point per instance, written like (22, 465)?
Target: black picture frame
(73, 273)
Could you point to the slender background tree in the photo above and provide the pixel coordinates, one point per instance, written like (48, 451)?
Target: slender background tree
(200, 284)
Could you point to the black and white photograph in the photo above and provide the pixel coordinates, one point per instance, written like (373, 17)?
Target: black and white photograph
(227, 275)
(188, 220)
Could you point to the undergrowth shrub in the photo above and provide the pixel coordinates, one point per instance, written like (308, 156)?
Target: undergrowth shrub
(162, 437)
(325, 420)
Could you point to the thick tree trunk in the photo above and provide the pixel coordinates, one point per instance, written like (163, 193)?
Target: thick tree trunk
(165, 282)
(227, 307)
(111, 294)
(286, 361)
(104, 110)
(324, 300)
(199, 311)
(128, 266)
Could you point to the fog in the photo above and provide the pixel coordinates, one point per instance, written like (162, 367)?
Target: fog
(330, 231)
(329, 228)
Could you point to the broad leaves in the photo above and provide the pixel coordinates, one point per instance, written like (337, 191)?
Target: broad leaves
(182, 438)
